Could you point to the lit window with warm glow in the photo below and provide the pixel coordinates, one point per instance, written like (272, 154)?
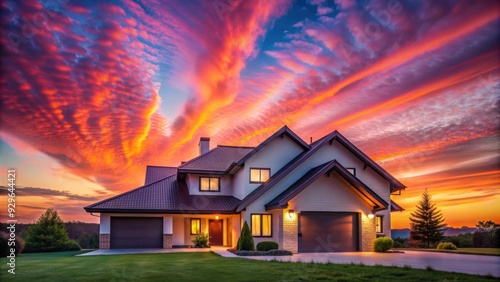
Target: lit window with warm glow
(261, 225)
(259, 175)
(379, 224)
(211, 184)
(195, 226)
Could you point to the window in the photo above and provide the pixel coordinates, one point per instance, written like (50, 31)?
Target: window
(351, 170)
(379, 224)
(195, 226)
(262, 225)
(259, 175)
(211, 184)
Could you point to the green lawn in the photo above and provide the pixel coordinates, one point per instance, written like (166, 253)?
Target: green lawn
(64, 266)
(470, 251)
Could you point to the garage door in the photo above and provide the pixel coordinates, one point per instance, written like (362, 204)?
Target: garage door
(136, 232)
(328, 232)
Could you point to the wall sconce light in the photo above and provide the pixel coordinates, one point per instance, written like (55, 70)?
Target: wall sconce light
(371, 215)
(216, 217)
(291, 213)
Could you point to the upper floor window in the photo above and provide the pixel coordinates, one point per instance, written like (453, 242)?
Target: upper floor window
(259, 175)
(351, 170)
(262, 225)
(379, 224)
(211, 184)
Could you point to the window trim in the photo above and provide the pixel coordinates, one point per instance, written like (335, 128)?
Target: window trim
(381, 224)
(209, 177)
(191, 225)
(260, 169)
(251, 224)
(353, 170)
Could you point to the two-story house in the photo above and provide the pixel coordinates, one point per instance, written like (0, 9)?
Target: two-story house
(326, 196)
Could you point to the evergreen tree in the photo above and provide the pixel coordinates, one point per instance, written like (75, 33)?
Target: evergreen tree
(427, 222)
(49, 234)
(245, 242)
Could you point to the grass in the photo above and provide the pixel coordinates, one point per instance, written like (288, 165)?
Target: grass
(468, 251)
(64, 266)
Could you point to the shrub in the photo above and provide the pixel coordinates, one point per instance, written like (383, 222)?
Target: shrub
(279, 253)
(383, 244)
(200, 240)
(4, 244)
(245, 242)
(264, 253)
(70, 245)
(267, 245)
(446, 246)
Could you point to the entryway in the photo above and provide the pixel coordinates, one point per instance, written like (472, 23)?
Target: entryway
(215, 229)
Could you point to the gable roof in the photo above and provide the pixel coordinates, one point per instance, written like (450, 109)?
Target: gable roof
(155, 173)
(315, 146)
(218, 160)
(281, 201)
(280, 133)
(395, 207)
(165, 196)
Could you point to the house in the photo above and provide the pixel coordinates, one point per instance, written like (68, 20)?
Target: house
(326, 196)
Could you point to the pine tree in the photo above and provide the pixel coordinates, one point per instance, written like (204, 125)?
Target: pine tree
(427, 222)
(49, 234)
(245, 242)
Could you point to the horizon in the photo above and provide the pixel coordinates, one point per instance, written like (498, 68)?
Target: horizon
(94, 92)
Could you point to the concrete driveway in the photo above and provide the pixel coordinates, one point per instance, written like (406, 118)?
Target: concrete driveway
(471, 264)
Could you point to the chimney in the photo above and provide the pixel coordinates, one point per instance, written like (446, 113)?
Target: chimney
(204, 145)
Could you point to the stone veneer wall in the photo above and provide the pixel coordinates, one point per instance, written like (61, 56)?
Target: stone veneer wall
(368, 234)
(290, 231)
(167, 241)
(104, 241)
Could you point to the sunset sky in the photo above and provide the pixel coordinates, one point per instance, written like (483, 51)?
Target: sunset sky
(93, 91)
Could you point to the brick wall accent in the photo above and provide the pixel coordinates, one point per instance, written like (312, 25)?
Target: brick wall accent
(104, 241)
(167, 241)
(290, 231)
(368, 234)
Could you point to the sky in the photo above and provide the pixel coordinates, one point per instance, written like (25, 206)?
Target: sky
(93, 91)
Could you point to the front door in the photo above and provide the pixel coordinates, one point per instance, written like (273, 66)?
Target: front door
(215, 232)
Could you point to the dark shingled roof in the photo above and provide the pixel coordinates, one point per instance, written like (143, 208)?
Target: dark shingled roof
(328, 139)
(165, 196)
(219, 159)
(155, 173)
(281, 201)
(395, 207)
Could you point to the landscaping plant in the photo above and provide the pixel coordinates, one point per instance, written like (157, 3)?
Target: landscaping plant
(383, 244)
(446, 246)
(200, 240)
(267, 245)
(427, 222)
(245, 242)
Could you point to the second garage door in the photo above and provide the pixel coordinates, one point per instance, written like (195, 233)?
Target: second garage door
(328, 232)
(136, 232)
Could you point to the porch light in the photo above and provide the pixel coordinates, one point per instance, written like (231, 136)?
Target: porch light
(216, 217)
(371, 215)
(291, 213)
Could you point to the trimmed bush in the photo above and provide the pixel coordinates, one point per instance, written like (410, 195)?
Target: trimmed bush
(245, 242)
(267, 245)
(383, 244)
(4, 244)
(446, 246)
(200, 240)
(264, 253)
(279, 253)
